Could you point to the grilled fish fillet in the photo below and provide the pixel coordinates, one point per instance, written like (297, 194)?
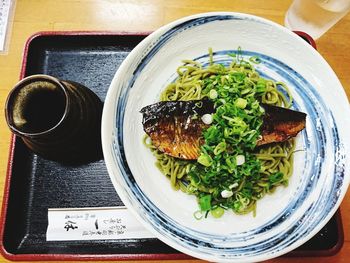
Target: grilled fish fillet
(175, 127)
(280, 124)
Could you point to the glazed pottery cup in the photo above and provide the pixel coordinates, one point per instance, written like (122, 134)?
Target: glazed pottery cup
(57, 119)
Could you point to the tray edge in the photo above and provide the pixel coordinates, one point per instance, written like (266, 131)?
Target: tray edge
(80, 257)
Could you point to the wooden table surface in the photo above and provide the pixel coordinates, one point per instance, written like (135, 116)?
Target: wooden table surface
(142, 15)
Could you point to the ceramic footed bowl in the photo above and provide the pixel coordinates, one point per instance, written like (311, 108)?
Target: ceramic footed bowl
(285, 219)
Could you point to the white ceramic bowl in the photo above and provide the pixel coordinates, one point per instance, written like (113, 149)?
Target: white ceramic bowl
(284, 220)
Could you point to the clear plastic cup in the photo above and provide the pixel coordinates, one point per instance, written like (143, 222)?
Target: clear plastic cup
(315, 17)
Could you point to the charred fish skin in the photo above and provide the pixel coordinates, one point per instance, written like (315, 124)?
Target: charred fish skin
(170, 109)
(175, 127)
(280, 124)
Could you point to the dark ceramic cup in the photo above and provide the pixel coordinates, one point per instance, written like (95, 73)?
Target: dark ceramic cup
(57, 119)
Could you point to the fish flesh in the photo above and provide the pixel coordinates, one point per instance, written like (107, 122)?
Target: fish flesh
(280, 124)
(175, 127)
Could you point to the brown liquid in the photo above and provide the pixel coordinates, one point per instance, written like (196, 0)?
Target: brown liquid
(38, 107)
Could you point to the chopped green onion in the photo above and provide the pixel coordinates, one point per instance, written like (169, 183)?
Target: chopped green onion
(241, 103)
(205, 202)
(213, 94)
(228, 172)
(207, 118)
(226, 193)
(221, 147)
(217, 212)
(205, 160)
(240, 159)
(255, 59)
(198, 215)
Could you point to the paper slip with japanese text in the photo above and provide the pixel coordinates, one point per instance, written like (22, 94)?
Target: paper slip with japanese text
(93, 224)
(5, 10)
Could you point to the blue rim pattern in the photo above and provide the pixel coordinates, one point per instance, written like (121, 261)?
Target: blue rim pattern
(322, 132)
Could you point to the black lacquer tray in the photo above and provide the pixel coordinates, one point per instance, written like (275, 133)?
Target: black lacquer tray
(34, 184)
